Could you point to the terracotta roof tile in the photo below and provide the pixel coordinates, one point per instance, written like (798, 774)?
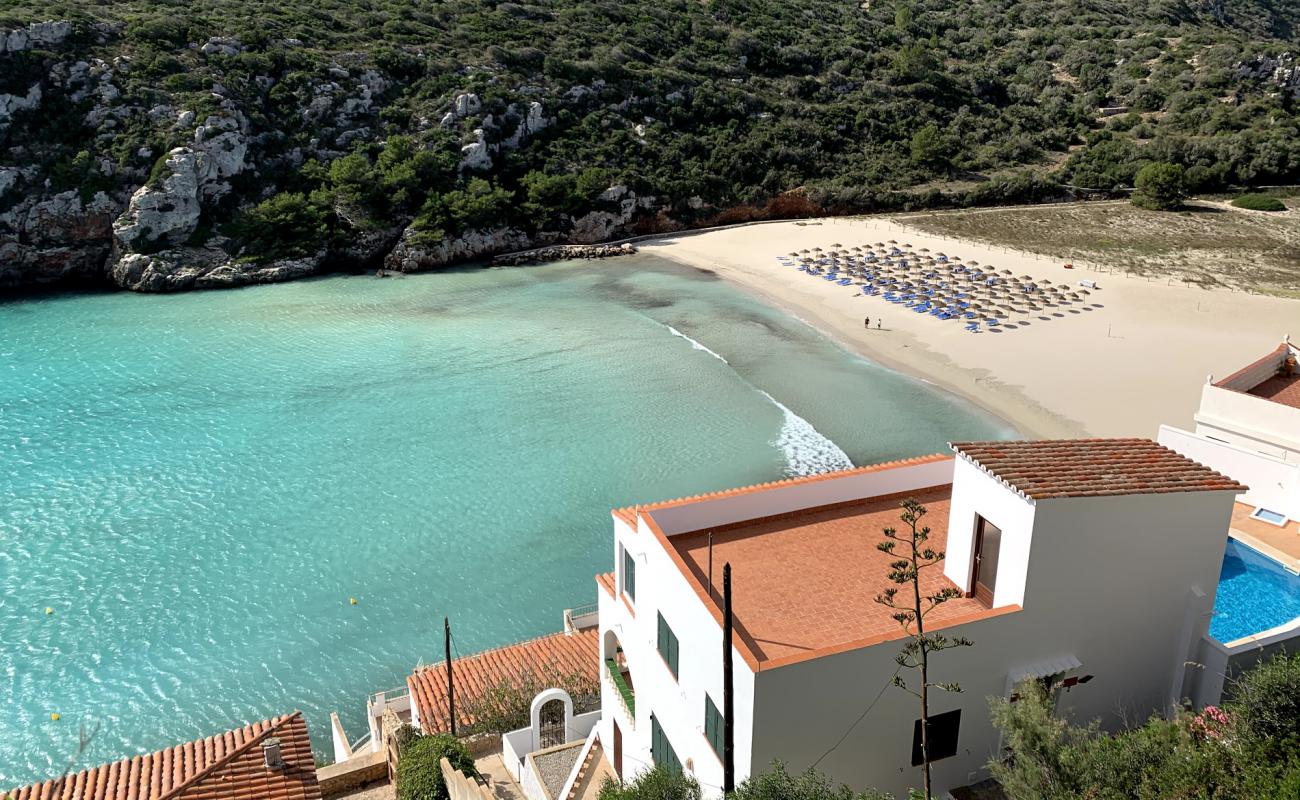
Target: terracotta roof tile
(1092, 468)
(606, 582)
(558, 655)
(228, 766)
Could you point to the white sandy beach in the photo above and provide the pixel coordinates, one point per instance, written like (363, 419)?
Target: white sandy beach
(1119, 370)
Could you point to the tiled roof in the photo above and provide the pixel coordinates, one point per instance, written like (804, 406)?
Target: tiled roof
(556, 656)
(606, 582)
(228, 766)
(1092, 468)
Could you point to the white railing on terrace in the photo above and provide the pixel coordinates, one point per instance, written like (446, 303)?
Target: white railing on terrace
(580, 617)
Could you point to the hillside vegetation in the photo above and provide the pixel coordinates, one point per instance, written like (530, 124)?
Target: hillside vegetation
(346, 133)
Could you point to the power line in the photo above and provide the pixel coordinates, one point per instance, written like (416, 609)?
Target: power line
(861, 717)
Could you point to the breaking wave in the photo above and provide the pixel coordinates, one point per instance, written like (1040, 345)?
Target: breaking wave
(696, 344)
(806, 450)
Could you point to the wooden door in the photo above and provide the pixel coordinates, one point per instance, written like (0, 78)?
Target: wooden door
(988, 545)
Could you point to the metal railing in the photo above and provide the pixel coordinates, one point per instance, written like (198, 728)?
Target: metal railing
(624, 691)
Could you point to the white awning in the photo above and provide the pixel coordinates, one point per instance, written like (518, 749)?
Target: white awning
(1045, 669)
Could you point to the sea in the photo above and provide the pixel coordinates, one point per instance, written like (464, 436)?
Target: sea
(218, 507)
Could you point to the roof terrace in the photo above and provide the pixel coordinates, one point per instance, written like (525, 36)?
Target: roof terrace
(804, 583)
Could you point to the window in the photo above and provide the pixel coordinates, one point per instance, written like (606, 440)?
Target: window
(661, 751)
(713, 725)
(629, 575)
(942, 736)
(668, 645)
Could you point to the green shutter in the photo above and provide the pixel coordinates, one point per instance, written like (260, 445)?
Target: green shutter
(668, 646)
(713, 725)
(629, 575)
(661, 751)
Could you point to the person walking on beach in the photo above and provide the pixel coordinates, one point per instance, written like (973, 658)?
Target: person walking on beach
(877, 323)
(867, 322)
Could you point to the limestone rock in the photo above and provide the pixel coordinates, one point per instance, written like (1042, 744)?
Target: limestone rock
(34, 36)
(45, 240)
(413, 255)
(221, 46)
(476, 154)
(532, 123)
(166, 213)
(466, 104)
(202, 268)
(10, 104)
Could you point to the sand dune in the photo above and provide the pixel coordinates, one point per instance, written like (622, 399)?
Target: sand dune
(1122, 369)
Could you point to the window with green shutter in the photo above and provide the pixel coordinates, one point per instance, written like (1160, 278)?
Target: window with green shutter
(629, 576)
(661, 751)
(668, 645)
(713, 725)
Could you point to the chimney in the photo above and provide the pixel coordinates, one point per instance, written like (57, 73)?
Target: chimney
(271, 754)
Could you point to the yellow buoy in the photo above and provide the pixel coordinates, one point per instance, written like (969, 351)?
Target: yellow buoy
(352, 600)
(48, 611)
(55, 717)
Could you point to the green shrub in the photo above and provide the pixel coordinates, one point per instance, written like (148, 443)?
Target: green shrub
(1266, 700)
(419, 776)
(1259, 202)
(658, 783)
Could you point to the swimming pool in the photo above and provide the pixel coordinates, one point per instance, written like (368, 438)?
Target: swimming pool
(1255, 594)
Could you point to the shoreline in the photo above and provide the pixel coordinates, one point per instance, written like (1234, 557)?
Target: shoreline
(1029, 421)
(1127, 363)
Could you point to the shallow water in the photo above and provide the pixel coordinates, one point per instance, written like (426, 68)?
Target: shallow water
(196, 485)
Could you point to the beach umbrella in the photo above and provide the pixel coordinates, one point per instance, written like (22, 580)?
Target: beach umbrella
(1007, 272)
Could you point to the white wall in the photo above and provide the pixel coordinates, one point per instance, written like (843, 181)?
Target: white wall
(1253, 423)
(1109, 584)
(975, 492)
(1273, 483)
(678, 705)
(797, 496)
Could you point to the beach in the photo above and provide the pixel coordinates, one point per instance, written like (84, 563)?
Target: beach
(1133, 361)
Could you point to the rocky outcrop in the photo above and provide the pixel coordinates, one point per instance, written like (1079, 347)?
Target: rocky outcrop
(563, 252)
(476, 154)
(1283, 71)
(11, 104)
(166, 213)
(598, 226)
(190, 268)
(35, 36)
(55, 239)
(413, 254)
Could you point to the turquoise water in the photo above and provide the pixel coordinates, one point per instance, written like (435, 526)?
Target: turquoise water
(1255, 594)
(197, 484)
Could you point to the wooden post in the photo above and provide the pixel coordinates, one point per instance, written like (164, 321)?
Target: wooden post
(451, 686)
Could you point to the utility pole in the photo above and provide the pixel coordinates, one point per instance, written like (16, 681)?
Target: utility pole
(451, 686)
(728, 703)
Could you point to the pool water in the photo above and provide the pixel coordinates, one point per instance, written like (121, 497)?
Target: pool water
(1255, 594)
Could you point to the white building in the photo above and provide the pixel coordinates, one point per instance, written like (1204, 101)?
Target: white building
(1125, 538)
(1248, 426)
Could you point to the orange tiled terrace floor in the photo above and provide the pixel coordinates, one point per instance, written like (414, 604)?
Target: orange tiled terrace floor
(807, 581)
(1283, 541)
(1284, 389)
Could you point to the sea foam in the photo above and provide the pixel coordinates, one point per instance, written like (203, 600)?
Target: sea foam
(807, 451)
